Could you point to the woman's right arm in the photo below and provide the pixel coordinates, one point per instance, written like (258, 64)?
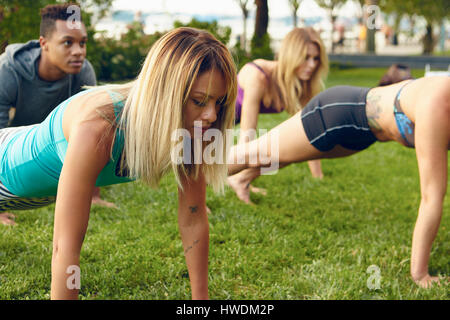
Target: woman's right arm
(84, 160)
(432, 136)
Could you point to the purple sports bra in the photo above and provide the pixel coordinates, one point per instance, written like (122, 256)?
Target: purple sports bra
(240, 99)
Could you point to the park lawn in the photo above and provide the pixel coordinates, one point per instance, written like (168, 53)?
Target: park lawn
(307, 239)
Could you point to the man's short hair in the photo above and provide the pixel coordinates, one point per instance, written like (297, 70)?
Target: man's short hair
(53, 12)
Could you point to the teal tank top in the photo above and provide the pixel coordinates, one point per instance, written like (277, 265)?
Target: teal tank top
(32, 159)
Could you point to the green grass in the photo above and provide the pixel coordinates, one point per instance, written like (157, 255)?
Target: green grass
(307, 239)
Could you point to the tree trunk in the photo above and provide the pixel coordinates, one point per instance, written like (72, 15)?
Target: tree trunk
(428, 40)
(260, 47)
(262, 18)
(371, 30)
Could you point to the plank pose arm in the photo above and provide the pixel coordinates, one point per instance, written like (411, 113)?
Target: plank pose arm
(432, 144)
(84, 160)
(194, 231)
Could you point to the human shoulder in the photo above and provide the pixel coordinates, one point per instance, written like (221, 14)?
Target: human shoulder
(21, 58)
(253, 76)
(8, 76)
(94, 107)
(441, 85)
(10, 82)
(428, 93)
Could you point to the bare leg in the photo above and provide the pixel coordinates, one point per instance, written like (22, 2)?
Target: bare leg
(287, 142)
(97, 200)
(7, 218)
(291, 145)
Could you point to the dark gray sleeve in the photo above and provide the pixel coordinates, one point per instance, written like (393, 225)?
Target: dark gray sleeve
(8, 92)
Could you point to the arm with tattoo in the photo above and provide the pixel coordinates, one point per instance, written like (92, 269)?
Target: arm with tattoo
(193, 209)
(194, 230)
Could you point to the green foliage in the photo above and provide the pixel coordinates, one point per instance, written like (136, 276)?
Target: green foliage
(221, 33)
(19, 20)
(118, 60)
(260, 48)
(433, 11)
(241, 57)
(330, 4)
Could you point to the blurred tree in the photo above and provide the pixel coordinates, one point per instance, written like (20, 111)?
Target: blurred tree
(13, 29)
(20, 19)
(434, 13)
(370, 17)
(245, 12)
(262, 18)
(369, 11)
(331, 6)
(295, 4)
(260, 46)
(222, 34)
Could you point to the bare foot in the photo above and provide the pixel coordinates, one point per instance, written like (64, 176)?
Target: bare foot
(7, 218)
(258, 190)
(428, 281)
(103, 203)
(241, 188)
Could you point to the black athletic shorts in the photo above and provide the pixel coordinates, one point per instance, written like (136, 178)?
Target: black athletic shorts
(338, 116)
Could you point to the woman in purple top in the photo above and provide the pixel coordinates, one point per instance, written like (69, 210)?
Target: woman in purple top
(287, 83)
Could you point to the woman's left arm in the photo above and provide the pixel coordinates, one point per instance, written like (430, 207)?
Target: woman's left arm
(432, 136)
(194, 231)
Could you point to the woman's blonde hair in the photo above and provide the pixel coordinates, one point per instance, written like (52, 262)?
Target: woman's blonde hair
(153, 109)
(293, 92)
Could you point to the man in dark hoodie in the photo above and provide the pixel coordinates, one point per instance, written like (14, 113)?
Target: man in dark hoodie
(37, 76)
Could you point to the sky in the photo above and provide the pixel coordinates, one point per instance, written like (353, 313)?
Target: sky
(277, 8)
(165, 12)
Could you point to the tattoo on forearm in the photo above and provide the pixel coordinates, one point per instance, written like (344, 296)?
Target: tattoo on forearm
(193, 209)
(373, 111)
(190, 247)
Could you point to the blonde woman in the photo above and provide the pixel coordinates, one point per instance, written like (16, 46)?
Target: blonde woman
(287, 83)
(116, 134)
(343, 120)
